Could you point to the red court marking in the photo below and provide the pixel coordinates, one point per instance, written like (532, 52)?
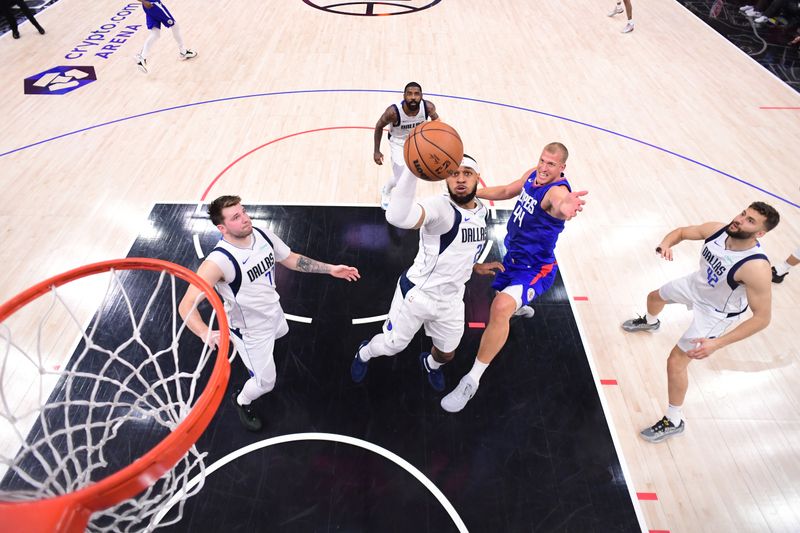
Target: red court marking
(581, 298)
(647, 496)
(477, 325)
(658, 531)
(787, 108)
(608, 382)
(215, 180)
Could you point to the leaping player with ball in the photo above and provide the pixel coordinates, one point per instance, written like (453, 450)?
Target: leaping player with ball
(546, 201)
(431, 291)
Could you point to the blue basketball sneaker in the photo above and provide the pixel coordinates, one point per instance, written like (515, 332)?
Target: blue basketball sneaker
(435, 377)
(358, 368)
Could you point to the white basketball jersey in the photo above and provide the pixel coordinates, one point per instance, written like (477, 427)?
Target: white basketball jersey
(713, 284)
(444, 261)
(398, 132)
(248, 286)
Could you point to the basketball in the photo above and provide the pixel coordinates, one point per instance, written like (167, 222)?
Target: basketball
(432, 150)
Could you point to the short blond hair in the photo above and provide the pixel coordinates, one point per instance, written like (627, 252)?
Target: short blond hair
(554, 147)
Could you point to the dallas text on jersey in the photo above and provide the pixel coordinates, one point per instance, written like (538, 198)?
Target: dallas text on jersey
(261, 268)
(473, 234)
(713, 261)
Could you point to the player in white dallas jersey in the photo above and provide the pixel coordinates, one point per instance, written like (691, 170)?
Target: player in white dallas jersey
(734, 273)
(242, 269)
(430, 293)
(401, 119)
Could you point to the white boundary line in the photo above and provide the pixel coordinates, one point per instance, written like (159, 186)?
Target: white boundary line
(370, 319)
(295, 318)
(486, 250)
(719, 35)
(330, 437)
(197, 248)
(606, 411)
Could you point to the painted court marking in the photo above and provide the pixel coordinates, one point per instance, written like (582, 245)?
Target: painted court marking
(394, 92)
(329, 437)
(370, 319)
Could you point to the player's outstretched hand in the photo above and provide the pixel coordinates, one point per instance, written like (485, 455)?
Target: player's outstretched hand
(488, 269)
(664, 251)
(345, 272)
(378, 157)
(572, 204)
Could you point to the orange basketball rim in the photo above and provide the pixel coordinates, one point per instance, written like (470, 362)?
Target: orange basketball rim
(70, 512)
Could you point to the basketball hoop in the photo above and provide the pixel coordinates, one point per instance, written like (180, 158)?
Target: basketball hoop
(64, 474)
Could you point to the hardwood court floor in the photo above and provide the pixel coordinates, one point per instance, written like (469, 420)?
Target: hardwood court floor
(664, 127)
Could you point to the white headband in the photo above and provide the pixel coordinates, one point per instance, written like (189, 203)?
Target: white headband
(471, 163)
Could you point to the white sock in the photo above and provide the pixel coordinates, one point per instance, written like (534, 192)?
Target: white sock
(477, 370)
(675, 414)
(651, 319)
(783, 268)
(253, 391)
(152, 37)
(176, 33)
(364, 354)
(433, 364)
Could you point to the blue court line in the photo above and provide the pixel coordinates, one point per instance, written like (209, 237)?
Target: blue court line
(464, 98)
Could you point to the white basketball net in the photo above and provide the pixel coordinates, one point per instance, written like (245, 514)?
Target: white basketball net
(67, 424)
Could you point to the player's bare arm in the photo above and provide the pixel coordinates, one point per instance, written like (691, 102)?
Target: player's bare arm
(301, 263)
(756, 276)
(431, 109)
(212, 274)
(146, 4)
(389, 117)
(686, 233)
(560, 203)
(504, 192)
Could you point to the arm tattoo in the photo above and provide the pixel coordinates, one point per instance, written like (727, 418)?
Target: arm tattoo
(305, 264)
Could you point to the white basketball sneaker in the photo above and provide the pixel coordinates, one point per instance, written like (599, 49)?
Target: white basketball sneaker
(526, 311)
(616, 11)
(628, 28)
(141, 63)
(188, 54)
(456, 400)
